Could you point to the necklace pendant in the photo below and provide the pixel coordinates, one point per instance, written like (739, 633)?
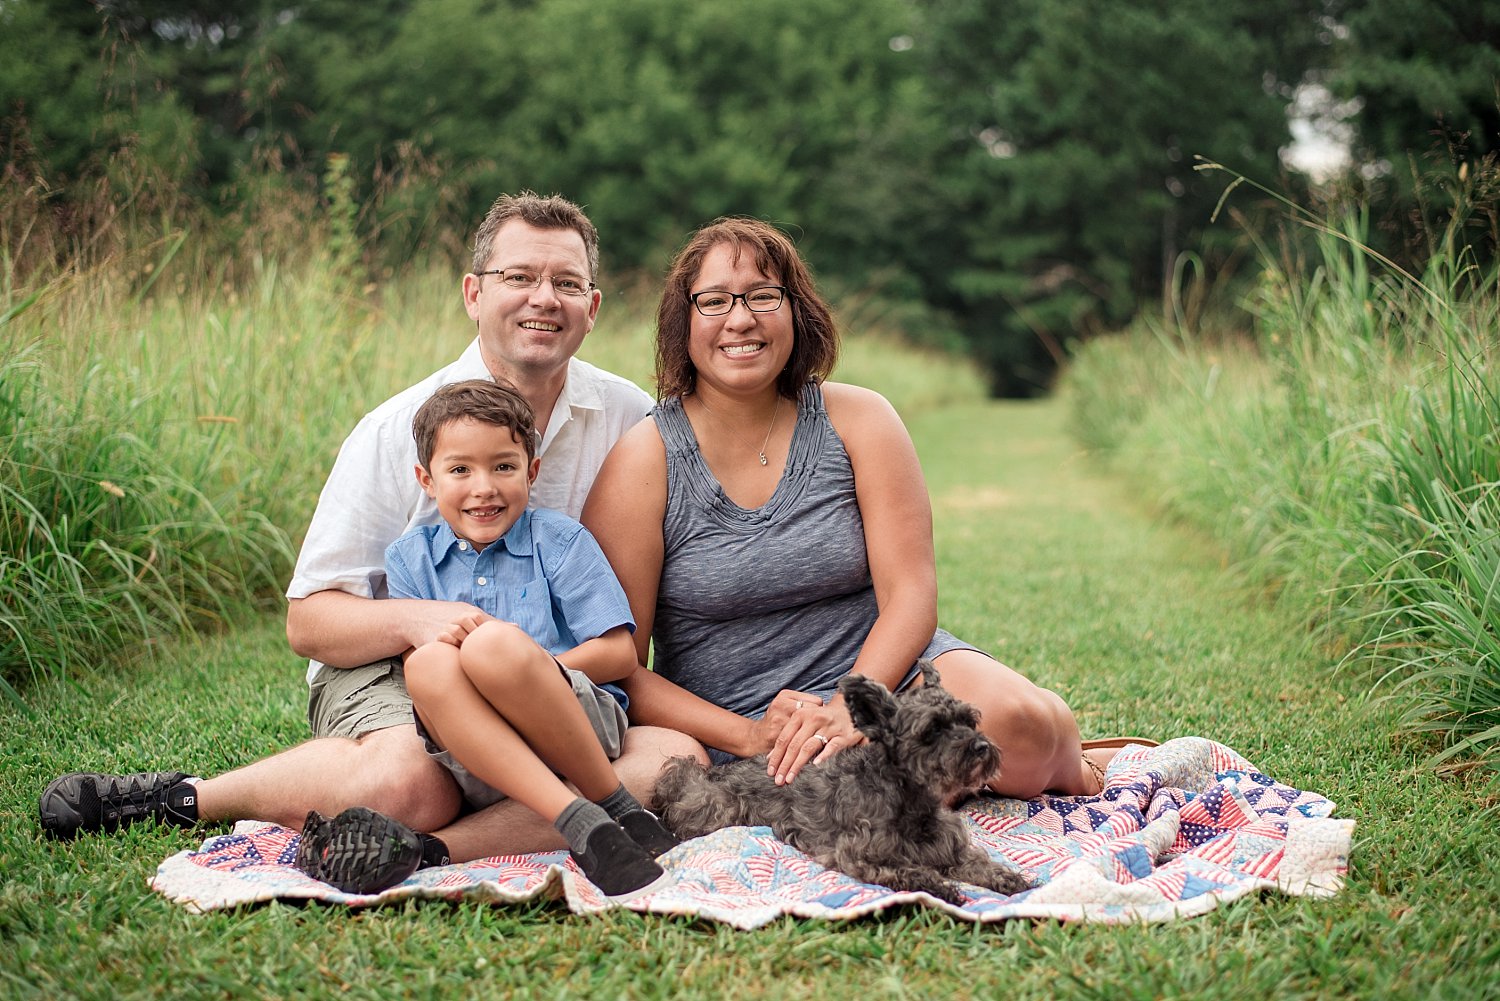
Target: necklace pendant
(763, 458)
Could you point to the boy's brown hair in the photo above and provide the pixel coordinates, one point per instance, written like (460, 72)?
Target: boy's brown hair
(476, 399)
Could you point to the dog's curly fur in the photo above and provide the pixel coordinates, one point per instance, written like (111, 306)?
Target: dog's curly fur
(878, 811)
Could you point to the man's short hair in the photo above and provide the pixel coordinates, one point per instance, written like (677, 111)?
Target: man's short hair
(817, 341)
(473, 399)
(551, 212)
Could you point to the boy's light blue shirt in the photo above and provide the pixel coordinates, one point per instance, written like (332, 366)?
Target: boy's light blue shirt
(546, 574)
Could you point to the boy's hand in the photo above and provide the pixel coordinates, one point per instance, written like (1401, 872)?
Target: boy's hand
(422, 620)
(461, 626)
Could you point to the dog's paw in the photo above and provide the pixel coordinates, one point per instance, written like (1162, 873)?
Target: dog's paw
(1006, 881)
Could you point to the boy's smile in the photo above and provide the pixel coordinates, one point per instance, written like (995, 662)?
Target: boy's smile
(480, 478)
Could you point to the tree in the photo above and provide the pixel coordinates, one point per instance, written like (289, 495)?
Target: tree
(1425, 77)
(1074, 127)
(1025, 166)
(658, 114)
(49, 82)
(1421, 69)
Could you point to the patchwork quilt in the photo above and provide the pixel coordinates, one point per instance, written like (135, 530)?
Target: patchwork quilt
(1178, 830)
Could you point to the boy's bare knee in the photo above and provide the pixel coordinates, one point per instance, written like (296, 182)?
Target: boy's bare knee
(498, 639)
(431, 669)
(500, 655)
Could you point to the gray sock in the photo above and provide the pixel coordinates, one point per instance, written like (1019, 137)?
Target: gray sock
(578, 820)
(619, 803)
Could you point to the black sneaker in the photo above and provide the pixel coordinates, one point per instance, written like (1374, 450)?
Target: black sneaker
(646, 830)
(359, 851)
(87, 801)
(618, 866)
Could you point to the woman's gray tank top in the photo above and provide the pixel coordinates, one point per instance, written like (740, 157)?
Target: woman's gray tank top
(754, 601)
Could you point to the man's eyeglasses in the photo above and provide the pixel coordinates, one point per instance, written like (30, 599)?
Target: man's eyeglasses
(520, 278)
(765, 299)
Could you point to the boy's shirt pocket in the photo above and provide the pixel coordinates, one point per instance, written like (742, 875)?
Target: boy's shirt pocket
(530, 607)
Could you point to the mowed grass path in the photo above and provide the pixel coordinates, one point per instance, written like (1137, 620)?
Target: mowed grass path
(1044, 560)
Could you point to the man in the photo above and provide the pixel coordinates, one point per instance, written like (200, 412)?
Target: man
(533, 298)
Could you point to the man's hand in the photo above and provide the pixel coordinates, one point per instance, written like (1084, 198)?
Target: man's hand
(346, 630)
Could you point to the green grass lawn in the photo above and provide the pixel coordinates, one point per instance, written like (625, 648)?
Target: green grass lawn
(1053, 566)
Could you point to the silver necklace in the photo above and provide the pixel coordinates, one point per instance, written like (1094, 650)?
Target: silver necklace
(761, 454)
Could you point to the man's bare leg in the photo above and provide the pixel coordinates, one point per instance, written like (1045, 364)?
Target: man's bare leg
(508, 828)
(387, 770)
(390, 771)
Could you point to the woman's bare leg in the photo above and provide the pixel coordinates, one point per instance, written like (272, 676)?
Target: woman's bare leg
(1041, 750)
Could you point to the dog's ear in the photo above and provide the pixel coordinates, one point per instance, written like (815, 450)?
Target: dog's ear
(871, 706)
(930, 674)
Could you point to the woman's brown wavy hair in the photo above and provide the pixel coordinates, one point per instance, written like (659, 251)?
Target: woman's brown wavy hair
(816, 344)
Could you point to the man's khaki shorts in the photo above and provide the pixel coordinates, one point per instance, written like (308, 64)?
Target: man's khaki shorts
(351, 702)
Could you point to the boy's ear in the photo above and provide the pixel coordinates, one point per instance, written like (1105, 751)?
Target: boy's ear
(536, 465)
(424, 480)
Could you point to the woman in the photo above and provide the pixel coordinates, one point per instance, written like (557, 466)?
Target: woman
(773, 533)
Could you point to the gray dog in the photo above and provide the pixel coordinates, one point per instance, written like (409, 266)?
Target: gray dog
(879, 811)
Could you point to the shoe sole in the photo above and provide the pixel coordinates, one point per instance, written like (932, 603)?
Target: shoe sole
(659, 883)
(366, 854)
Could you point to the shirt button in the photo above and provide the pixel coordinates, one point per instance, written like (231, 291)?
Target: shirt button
(463, 547)
(482, 581)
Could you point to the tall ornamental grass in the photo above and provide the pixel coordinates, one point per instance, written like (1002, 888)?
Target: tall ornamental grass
(1346, 451)
(169, 411)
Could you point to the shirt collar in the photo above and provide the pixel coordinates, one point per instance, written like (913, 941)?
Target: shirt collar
(517, 541)
(582, 388)
(581, 391)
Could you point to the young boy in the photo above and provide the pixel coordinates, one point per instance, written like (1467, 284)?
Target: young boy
(493, 699)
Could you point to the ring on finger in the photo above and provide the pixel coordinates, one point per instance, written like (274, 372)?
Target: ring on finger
(819, 736)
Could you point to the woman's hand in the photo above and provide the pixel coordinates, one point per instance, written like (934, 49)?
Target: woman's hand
(785, 706)
(759, 735)
(812, 732)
